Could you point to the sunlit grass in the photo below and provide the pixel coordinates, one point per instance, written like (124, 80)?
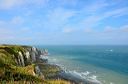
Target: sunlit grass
(13, 73)
(58, 82)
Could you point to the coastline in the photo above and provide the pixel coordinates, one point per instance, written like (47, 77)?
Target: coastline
(27, 62)
(42, 69)
(20, 64)
(73, 77)
(97, 61)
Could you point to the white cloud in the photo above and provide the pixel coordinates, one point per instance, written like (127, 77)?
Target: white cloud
(60, 14)
(89, 30)
(94, 20)
(67, 30)
(124, 28)
(17, 20)
(121, 29)
(72, 3)
(6, 34)
(9, 4)
(108, 29)
(4, 31)
(25, 29)
(91, 21)
(57, 18)
(96, 6)
(2, 23)
(29, 13)
(116, 12)
(7, 28)
(23, 34)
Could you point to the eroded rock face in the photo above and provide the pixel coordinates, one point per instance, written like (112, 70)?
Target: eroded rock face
(21, 59)
(20, 63)
(29, 56)
(32, 54)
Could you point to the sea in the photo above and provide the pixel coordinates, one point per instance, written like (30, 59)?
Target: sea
(107, 64)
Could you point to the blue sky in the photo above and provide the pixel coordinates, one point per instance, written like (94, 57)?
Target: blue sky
(64, 22)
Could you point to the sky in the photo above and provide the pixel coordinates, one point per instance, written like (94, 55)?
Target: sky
(64, 22)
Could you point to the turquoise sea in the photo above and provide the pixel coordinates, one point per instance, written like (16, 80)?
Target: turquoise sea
(107, 64)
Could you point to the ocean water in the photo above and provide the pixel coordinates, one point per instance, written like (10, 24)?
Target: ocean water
(107, 64)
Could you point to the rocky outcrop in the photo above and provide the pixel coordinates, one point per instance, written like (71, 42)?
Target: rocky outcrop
(20, 59)
(29, 56)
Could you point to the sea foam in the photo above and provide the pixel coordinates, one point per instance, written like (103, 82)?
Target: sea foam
(79, 77)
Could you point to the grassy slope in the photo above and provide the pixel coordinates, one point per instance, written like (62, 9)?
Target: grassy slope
(12, 73)
(9, 68)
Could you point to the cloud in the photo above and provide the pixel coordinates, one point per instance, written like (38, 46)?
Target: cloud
(9, 28)
(68, 19)
(116, 12)
(89, 30)
(96, 6)
(57, 18)
(2, 23)
(67, 30)
(92, 20)
(9, 4)
(6, 34)
(124, 28)
(60, 14)
(108, 29)
(4, 31)
(17, 20)
(17, 35)
(71, 3)
(25, 29)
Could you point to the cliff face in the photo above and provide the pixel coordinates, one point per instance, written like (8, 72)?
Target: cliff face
(32, 55)
(23, 65)
(29, 56)
(20, 61)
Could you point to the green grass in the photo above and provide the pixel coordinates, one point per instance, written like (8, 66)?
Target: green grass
(13, 73)
(58, 81)
(9, 68)
(49, 71)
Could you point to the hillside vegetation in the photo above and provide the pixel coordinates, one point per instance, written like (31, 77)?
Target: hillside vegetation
(17, 66)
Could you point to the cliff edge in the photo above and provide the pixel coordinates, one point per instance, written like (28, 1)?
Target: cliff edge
(23, 65)
(18, 63)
